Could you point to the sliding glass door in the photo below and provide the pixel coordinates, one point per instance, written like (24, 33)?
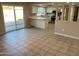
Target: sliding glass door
(9, 18)
(13, 17)
(19, 17)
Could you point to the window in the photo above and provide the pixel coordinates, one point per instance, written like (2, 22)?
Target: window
(75, 14)
(41, 11)
(60, 10)
(66, 13)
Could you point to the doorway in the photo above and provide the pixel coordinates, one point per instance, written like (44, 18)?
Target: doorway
(13, 17)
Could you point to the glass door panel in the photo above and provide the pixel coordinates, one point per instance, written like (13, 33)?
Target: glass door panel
(9, 19)
(19, 17)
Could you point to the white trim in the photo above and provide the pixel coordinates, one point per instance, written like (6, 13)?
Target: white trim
(66, 35)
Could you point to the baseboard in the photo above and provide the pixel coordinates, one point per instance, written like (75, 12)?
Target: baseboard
(66, 35)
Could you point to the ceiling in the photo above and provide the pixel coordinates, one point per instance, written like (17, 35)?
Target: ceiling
(54, 3)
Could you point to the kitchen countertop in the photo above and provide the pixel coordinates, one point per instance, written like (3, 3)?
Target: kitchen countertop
(38, 18)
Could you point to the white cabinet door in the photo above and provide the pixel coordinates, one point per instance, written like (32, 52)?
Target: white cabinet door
(34, 9)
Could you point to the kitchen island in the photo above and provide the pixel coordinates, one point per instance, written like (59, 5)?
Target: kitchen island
(39, 22)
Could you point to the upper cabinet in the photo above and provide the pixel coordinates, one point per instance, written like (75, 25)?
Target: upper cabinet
(34, 9)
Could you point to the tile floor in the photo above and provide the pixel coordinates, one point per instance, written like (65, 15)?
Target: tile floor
(37, 42)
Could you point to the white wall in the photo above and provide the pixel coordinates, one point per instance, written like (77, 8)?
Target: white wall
(68, 28)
